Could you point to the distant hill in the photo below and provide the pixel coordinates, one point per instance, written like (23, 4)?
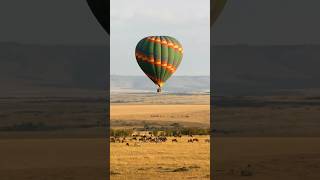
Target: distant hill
(176, 84)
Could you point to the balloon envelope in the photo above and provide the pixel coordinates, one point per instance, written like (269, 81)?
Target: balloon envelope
(159, 57)
(216, 8)
(101, 11)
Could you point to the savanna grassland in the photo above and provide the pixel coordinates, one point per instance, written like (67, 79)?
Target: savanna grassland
(163, 160)
(167, 160)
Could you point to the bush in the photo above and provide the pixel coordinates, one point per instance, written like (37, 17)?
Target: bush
(166, 132)
(120, 132)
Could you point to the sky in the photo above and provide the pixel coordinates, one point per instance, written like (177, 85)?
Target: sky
(268, 22)
(186, 20)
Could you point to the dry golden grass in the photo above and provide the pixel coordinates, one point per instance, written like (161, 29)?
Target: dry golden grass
(167, 160)
(180, 113)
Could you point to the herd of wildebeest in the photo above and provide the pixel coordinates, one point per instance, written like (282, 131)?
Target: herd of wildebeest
(136, 139)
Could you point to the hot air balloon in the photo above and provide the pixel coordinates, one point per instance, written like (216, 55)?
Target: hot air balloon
(159, 57)
(216, 8)
(101, 11)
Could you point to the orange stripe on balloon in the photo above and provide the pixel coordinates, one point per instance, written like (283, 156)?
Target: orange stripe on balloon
(174, 46)
(168, 67)
(164, 42)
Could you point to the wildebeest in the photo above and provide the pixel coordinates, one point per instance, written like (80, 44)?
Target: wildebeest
(190, 141)
(162, 138)
(196, 140)
(174, 140)
(127, 144)
(112, 139)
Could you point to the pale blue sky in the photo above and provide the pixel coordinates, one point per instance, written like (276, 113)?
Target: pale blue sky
(186, 20)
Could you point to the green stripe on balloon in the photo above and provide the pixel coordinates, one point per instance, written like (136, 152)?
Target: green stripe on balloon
(167, 74)
(164, 57)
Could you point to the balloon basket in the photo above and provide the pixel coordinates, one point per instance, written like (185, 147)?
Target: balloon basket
(159, 90)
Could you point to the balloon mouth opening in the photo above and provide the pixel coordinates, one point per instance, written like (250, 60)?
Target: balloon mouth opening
(160, 84)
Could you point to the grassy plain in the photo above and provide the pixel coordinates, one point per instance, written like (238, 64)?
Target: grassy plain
(187, 115)
(168, 160)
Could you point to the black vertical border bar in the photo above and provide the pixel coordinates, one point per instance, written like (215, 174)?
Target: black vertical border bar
(211, 100)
